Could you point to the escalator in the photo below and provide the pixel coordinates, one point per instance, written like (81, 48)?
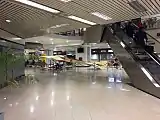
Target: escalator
(142, 67)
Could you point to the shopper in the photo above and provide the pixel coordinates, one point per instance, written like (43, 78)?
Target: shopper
(57, 65)
(33, 62)
(43, 64)
(116, 63)
(140, 25)
(130, 29)
(26, 63)
(145, 25)
(141, 37)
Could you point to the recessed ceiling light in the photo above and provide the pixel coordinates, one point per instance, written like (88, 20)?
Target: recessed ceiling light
(67, 41)
(100, 15)
(52, 43)
(16, 38)
(51, 39)
(65, 1)
(58, 26)
(39, 6)
(81, 20)
(36, 41)
(5, 98)
(84, 29)
(8, 21)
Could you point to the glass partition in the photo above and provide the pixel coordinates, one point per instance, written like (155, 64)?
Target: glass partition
(11, 60)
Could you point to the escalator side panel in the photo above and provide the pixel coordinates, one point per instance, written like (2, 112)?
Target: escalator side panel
(133, 69)
(93, 34)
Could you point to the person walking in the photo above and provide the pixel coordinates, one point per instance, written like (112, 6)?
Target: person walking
(130, 30)
(141, 37)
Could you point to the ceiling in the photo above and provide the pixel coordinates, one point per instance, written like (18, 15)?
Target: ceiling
(54, 41)
(27, 21)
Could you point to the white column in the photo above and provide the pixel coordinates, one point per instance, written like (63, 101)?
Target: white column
(86, 55)
(49, 53)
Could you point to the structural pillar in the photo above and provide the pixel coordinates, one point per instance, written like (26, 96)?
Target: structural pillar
(86, 55)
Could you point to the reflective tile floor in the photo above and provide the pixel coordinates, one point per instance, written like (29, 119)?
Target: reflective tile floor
(72, 95)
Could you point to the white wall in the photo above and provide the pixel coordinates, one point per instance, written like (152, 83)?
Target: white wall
(86, 55)
(154, 34)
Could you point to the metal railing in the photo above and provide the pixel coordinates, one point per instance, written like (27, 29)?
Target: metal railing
(155, 81)
(152, 41)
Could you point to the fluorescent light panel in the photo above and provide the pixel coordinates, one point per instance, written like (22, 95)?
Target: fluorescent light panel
(16, 38)
(65, 1)
(8, 21)
(81, 20)
(39, 6)
(58, 26)
(101, 16)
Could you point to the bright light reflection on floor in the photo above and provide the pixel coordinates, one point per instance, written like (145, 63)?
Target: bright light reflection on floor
(17, 103)
(52, 102)
(55, 74)
(94, 82)
(31, 108)
(10, 105)
(118, 81)
(68, 97)
(37, 98)
(52, 93)
(109, 87)
(124, 89)
(111, 79)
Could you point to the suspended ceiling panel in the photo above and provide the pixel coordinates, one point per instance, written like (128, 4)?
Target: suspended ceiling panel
(45, 40)
(27, 21)
(116, 9)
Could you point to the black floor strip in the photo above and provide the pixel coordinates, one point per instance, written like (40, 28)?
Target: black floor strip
(130, 84)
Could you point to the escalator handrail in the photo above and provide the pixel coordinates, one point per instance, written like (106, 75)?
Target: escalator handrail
(127, 46)
(148, 34)
(153, 55)
(136, 60)
(153, 38)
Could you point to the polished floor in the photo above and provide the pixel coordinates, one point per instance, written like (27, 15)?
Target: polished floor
(77, 95)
